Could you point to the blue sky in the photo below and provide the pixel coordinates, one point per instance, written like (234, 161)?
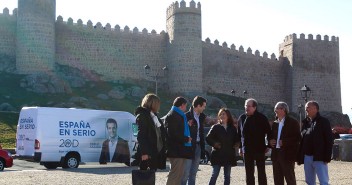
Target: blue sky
(261, 25)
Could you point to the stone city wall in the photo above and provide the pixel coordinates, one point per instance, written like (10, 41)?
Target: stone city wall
(194, 65)
(183, 24)
(35, 36)
(315, 62)
(8, 33)
(113, 53)
(225, 69)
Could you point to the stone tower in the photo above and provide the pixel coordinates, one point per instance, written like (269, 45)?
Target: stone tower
(316, 63)
(35, 47)
(184, 57)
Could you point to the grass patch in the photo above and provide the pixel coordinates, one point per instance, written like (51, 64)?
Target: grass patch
(8, 126)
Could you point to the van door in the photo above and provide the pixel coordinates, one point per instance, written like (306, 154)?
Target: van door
(26, 132)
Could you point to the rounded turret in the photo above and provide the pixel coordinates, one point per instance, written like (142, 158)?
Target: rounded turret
(184, 28)
(35, 47)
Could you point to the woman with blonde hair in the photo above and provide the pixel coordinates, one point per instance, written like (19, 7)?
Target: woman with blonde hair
(151, 134)
(223, 138)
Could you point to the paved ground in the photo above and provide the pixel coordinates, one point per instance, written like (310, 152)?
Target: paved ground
(92, 173)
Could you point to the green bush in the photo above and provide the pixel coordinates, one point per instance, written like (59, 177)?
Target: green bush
(8, 125)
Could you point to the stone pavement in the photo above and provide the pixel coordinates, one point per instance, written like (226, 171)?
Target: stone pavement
(340, 173)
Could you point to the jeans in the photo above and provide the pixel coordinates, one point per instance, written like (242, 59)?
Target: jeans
(191, 168)
(215, 174)
(249, 159)
(313, 168)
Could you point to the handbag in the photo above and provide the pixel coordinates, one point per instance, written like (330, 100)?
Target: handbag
(143, 177)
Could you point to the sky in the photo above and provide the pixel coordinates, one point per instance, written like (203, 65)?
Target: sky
(260, 25)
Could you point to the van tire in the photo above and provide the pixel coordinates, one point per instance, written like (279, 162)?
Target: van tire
(71, 161)
(49, 165)
(2, 164)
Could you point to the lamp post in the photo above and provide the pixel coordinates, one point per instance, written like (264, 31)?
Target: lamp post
(245, 93)
(233, 92)
(300, 115)
(305, 93)
(155, 77)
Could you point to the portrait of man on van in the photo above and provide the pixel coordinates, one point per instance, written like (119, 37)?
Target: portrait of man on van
(114, 149)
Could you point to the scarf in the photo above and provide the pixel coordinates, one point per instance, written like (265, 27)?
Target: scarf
(186, 131)
(155, 119)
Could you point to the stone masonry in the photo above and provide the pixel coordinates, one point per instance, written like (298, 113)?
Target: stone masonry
(38, 41)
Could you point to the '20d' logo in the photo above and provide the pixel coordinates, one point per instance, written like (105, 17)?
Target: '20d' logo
(68, 143)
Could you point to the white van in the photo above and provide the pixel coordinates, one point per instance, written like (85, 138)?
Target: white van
(67, 136)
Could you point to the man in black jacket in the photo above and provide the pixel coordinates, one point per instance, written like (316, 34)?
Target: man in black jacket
(316, 145)
(179, 146)
(196, 118)
(253, 127)
(285, 142)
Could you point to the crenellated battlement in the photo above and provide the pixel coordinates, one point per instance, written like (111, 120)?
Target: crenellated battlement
(38, 42)
(291, 37)
(98, 26)
(176, 8)
(6, 12)
(240, 50)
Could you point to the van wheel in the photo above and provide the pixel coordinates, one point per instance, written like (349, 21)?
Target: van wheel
(50, 165)
(2, 164)
(71, 161)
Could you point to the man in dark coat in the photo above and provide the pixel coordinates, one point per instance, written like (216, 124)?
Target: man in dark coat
(179, 146)
(114, 149)
(253, 127)
(316, 145)
(196, 119)
(285, 140)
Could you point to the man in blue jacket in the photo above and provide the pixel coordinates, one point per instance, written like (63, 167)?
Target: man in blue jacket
(316, 145)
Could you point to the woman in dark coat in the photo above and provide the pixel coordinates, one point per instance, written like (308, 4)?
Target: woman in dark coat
(151, 134)
(223, 138)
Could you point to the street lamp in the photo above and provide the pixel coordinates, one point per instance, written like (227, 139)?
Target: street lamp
(233, 92)
(305, 93)
(155, 77)
(245, 93)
